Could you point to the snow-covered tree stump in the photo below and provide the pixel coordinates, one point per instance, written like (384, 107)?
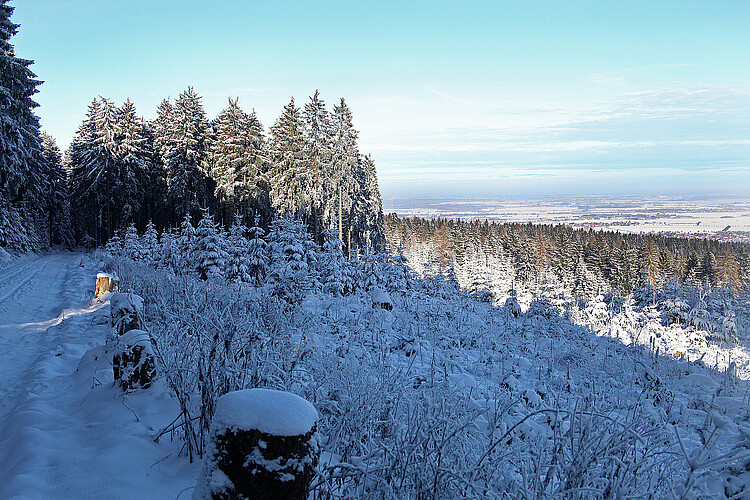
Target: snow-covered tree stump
(125, 313)
(263, 445)
(133, 361)
(381, 299)
(106, 283)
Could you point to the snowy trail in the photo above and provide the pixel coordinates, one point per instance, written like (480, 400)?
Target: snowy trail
(29, 292)
(65, 430)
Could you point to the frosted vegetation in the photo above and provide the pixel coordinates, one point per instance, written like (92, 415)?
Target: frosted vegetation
(448, 394)
(499, 361)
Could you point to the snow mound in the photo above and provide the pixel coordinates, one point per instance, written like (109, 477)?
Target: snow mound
(700, 381)
(129, 301)
(271, 412)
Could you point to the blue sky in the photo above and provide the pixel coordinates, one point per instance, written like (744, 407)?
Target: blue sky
(480, 99)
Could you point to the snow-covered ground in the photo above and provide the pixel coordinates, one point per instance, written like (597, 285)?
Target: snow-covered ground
(441, 394)
(66, 432)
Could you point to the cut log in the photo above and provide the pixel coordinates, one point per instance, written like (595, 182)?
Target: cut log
(106, 283)
(263, 445)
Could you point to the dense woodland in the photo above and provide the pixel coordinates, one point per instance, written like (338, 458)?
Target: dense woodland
(121, 170)
(483, 255)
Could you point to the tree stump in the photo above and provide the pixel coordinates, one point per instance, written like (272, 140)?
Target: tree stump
(106, 283)
(263, 445)
(125, 313)
(133, 361)
(381, 299)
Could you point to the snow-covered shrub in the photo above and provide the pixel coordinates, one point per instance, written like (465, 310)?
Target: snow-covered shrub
(443, 393)
(292, 260)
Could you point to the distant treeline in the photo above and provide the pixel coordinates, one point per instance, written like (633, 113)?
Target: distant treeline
(585, 262)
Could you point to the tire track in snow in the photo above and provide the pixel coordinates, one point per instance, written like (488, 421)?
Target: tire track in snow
(15, 288)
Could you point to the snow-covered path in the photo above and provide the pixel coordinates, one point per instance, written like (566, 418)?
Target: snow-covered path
(65, 430)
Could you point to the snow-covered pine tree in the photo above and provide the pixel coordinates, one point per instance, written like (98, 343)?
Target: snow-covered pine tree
(133, 155)
(335, 273)
(155, 198)
(370, 233)
(237, 265)
(318, 153)
(257, 254)
(131, 246)
(58, 202)
(183, 250)
(23, 169)
(236, 162)
(343, 184)
(210, 253)
(114, 246)
(164, 257)
(85, 211)
(188, 185)
(161, 128)
(292, 255)
(288, 172)
(149, 245)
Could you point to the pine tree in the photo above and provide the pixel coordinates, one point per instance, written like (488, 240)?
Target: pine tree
(210, 253)
(345, 162)
(292, 255)
(59, 208)
(319, 155)
(236, 161)
(133, 151)
(85, 211)
(288, 173)
(23, 170)
(237, 266)
(188, 186)
(131, 246)
(335, 273)
(161, 127)
(183, 251)
(370, 207)
(165, 256)
(149, 245)
(114, 246)
(257, 254)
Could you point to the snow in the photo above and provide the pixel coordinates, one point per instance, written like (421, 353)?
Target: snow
(272, 412)
(128, 301)
(380, 296)
(136, 338)
(467, 381)
(66, 431)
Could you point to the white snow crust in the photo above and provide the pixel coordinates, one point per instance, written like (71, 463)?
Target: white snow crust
(129, 301)
(380, 296)
(273, 412)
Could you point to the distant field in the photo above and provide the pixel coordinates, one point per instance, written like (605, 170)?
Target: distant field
(727, 219)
